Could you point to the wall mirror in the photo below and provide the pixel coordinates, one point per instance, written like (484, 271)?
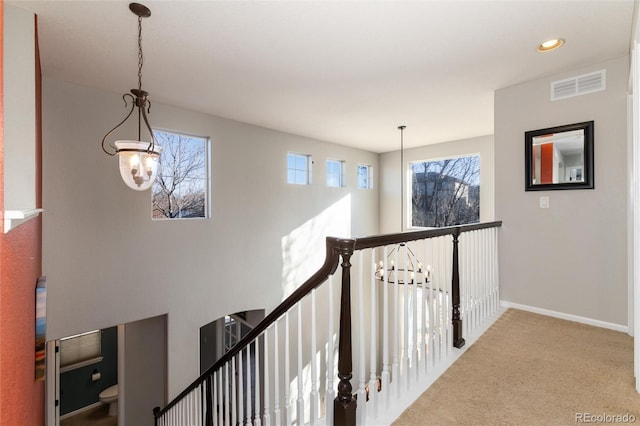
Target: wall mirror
(559, 157)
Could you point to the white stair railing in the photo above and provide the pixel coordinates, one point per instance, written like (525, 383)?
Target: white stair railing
(409, 292)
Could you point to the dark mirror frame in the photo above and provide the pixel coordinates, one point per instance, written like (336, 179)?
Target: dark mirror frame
(588, 183)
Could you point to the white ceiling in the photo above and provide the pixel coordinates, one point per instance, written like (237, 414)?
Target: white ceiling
(342, 71)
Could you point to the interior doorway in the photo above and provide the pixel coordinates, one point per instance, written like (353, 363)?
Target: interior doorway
(132, 357)
(217, 337)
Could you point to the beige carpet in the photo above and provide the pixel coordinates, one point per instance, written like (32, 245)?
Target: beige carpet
(530, 369)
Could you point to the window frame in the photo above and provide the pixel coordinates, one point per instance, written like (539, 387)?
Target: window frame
(341, 176)
(207, 176)
(369, 176)
(409, 191)
(308, 164)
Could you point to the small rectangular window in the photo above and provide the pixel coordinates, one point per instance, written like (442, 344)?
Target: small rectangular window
(181, 189)
(298, 169)
(364, 177)
(80, 348)
(335, 173)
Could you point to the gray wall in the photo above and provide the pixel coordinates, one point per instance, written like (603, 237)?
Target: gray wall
(108, 263)
(390, 176)
(572, 257)
(145, 369)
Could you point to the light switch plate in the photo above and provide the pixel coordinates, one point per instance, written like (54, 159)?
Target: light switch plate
(544, 202)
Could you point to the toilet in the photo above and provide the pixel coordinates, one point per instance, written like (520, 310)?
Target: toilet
(110, 396)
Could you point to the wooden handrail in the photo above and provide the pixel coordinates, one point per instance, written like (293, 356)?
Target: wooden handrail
(403, 237)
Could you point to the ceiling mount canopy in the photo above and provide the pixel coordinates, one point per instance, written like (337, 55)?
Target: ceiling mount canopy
(138, 158)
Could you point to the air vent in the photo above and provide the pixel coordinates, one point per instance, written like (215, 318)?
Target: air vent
(579, 85)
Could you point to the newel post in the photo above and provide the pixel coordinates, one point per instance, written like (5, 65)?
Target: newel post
(458, 341)
(344, 405)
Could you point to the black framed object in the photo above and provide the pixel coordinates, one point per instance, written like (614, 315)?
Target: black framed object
(559, 157)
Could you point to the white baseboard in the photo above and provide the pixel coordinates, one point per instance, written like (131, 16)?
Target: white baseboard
(81, 410)
(564, 316)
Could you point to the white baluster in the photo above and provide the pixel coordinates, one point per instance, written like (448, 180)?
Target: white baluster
(474, 280)
(227, 403)
(432, 301)
(439, 300)
(496, 265)
(406, 293)
(249, 418)
(373, 349)
(362, 394)
(468, 253)
(414, 336)
(257, 421)
(276, 376)
(241, 417)
(423, 307)
(386, 379)
(448, 309)
(287, 366)
(396, 329)
(199, 410)
(496, 276)
(485, 310)
(490, 255)
(330, 351)
(313, 404)
(300, 401)
(191, 409)
(266, 418)
(214, 399)
(234, 404)
(220, 397)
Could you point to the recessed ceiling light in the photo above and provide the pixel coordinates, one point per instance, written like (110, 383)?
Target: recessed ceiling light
(550, 45)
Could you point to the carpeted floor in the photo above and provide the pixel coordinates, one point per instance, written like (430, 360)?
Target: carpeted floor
(530, 369)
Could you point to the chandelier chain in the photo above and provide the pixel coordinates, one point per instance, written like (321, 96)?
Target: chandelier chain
(140, 56)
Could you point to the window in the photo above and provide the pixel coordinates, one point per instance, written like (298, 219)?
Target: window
(335, 173)
(182, 185)
(81, 349)
(364, 177)
(445, 192)
(298, 169)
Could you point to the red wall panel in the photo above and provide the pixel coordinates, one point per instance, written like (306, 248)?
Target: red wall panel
(21, 397)
(546, 163)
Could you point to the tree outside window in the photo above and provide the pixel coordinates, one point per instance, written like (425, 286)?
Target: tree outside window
(445, 192)
(181, 186)
(364, 177)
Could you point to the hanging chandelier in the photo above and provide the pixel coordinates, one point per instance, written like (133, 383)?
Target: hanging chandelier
(138, 158)
(409, 269)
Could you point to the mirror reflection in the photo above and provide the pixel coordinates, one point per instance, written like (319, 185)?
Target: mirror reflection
(558, 157)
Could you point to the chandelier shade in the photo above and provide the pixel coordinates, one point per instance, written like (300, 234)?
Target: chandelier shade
(138, 164)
